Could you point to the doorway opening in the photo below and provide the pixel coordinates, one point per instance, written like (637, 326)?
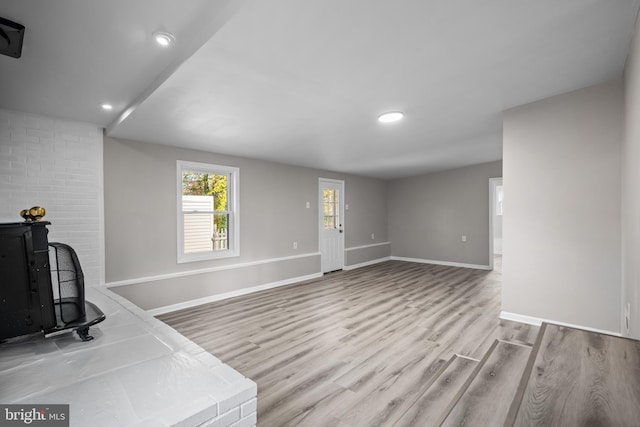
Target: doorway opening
(496, 212)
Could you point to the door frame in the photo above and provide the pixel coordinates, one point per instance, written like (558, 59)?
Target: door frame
(493, 182)
(340, 182)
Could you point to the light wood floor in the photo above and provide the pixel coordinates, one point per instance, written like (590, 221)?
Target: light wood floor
(354, 348)
(579, 378)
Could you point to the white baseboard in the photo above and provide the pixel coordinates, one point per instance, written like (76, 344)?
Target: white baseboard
(167, 276)
(447, 263)
(364, 264)
(538, 321)
(245, 291)
(227, 295)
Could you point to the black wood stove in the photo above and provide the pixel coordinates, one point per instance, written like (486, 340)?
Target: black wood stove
(41, 285)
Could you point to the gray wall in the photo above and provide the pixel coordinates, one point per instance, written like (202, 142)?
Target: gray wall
(367, 200)
(428, 214)
(141, 235)
(562, 208)
(631, 190)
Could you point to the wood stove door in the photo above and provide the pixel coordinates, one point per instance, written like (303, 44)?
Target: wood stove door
(26, 301)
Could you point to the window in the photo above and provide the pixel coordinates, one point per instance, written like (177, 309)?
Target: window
(331, 209)
(208, 219)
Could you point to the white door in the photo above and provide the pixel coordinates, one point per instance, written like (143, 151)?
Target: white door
(331, 216)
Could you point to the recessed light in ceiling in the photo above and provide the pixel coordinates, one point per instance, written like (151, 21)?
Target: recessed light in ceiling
(163, 38)
(390, 117)
(107, 107)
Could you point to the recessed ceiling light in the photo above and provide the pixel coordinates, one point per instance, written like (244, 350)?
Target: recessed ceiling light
(163, 38)
(390, 117)
(107, 107)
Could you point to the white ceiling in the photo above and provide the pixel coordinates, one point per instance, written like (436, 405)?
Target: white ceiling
(302, 82)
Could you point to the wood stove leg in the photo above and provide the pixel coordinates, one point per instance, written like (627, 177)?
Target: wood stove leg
(83, 333)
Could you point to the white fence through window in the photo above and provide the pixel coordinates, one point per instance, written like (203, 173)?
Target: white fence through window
(200, 231)
(219, 239)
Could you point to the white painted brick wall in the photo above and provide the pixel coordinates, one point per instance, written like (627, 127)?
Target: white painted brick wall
(232, 418)
(56, 164)
(237, 405)
(248, 408)
(248, 421)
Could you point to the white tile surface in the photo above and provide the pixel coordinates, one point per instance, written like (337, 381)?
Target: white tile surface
(136, 372)
(25, 354)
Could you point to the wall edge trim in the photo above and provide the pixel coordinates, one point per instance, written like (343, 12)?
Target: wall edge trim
(355, 248)
(167, 276)
(226, 295)
(537, 321)
(447, 263)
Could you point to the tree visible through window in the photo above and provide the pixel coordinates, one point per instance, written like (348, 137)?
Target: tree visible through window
(208, 185)
(207, 209)
(331, 209)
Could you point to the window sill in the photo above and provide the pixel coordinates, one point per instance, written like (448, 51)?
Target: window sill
(206, 256)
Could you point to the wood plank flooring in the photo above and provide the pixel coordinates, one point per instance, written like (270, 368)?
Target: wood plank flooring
(428, 409)
(353, 348)
(487, 395)
(579, 378)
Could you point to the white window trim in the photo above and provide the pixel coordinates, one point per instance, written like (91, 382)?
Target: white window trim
(233, 201)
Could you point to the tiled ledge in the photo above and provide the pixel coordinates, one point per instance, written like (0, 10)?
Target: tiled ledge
(136, 372)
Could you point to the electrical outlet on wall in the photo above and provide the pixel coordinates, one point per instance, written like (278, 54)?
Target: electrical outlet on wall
(295, 245)
(464, 238)
(373, 236)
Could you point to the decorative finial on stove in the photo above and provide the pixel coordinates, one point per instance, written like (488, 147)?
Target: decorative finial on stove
(34, 214)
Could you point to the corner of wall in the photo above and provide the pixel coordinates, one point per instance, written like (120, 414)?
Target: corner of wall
(630, 177)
